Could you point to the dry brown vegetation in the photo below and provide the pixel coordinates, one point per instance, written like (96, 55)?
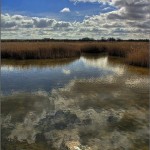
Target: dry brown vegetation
(38, 50)
(135, 53)
(139, 57)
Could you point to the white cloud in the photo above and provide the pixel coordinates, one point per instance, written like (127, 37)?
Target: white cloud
(130, 20)
(66, 71)
(65, 10)
(42, 22)
(62, 24)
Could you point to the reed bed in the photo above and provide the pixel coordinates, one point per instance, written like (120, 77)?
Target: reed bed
(135, 53)
(122, 49)
(118, 49)
(138, 58)
(93, 47)
(38, 50)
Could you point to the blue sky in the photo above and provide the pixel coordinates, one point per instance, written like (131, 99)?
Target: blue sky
(52, 8)
(74, 19)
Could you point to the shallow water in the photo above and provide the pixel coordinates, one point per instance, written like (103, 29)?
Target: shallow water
(96, 100)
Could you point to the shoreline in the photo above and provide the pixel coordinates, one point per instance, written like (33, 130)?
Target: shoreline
(135, 53)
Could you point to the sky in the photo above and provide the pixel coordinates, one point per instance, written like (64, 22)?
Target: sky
(75, 19)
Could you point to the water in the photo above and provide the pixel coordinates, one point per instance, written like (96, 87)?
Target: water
(95, 100)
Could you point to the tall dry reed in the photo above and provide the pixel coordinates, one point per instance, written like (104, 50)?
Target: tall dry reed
(135, 53)
(38, 50)
(139, 56)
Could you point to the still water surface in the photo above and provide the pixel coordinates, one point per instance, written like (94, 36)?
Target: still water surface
(96, 100)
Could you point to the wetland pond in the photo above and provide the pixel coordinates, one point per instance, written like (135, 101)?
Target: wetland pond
(95, 100)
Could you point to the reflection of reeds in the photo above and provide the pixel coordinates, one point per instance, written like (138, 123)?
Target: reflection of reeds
(135, 53)
(42, 63)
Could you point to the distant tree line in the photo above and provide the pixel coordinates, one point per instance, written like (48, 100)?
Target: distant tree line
(112, 39)
(86, 39)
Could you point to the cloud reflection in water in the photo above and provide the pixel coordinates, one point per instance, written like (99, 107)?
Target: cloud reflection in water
(99, 111)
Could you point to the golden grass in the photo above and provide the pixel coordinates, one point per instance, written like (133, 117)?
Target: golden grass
(38, 50)
(138, 58)
(93, 47)
(135, 53)
(122, 49)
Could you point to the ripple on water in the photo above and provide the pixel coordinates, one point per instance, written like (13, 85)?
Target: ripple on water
(97, 112)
